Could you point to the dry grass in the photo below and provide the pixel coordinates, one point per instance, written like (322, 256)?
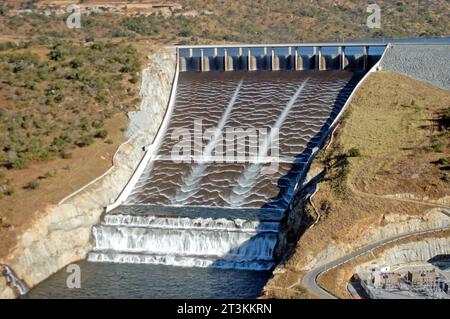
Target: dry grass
(394, 138)
(395, 135)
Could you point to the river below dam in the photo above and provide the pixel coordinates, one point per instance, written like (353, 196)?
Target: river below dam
(119, 281)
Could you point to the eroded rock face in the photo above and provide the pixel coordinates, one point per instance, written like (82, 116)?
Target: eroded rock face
(416, 251)
(62, 233)
(6, 292)
(397, 224)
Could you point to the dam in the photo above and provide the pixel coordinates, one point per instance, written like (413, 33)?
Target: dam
(218, 200)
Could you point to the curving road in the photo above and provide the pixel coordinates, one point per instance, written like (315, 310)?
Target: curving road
(310, 279)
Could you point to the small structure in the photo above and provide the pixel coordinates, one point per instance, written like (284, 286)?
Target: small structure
(421, 278)
(386, 280)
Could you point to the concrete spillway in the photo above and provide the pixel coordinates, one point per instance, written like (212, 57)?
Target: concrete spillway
(214, 208)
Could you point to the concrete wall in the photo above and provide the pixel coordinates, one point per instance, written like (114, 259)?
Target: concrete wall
(252, 58)
(62, 233)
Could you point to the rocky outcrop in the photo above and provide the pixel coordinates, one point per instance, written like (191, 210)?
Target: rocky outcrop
(394, 225)
(415, 251)
(425, 62)
(6, 292)
(440, 201)
(61, 235)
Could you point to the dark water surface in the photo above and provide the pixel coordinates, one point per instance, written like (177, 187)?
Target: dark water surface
(105, 280)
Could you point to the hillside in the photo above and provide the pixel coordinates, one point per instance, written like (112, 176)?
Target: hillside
(394, 155)
(264, 21)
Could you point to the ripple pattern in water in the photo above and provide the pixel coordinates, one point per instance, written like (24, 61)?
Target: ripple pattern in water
(260, 101)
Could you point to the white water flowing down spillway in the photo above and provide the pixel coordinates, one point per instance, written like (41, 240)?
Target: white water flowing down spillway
(224, 214)
(248, 179)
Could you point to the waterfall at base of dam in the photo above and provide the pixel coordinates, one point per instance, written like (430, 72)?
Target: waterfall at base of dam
(182, 241)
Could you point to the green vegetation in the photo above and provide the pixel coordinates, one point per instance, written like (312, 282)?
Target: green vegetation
(445, 177)
(34, 184)
(58, 100)
(443, 161)
(338, 166)
(440, 139)
(8, 191)
(438, 147)
(444, 119)
(101, 134)
(265, 21)
(353, 152)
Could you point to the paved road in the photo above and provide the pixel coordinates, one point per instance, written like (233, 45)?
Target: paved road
(310, 279)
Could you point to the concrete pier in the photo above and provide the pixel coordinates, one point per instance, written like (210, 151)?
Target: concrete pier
(297, 57)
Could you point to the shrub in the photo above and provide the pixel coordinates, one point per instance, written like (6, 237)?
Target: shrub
(101, 134)
(50, 174)
(97, 124)
(84, 124)
(4, 8)
(445, 177)
(107, 113)
(65, 155)
(56, 55)
(6, 45)
(185, 33)
(32, 184)
(89, 38)
(109, 141)
(61, 50)
(443, 161)
(9, 191)
(353, 152)
(85, 140)
(325, 207)
(134, 79)
(444, 118)
(438, 147)
(75, 64)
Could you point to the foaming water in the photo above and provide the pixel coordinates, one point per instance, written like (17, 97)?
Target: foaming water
(236, 224)
(189, 242)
